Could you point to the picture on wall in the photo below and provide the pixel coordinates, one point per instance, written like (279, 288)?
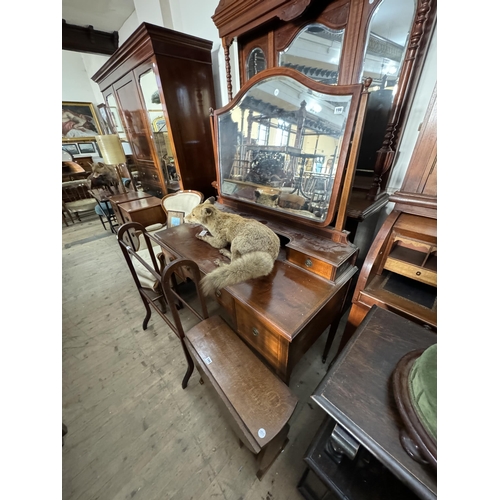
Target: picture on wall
(71, 148)
(86, 147)
(79, 121)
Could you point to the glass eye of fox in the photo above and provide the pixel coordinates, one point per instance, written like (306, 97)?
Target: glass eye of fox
(256, 62)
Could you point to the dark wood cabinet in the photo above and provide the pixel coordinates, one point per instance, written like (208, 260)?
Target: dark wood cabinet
(158, 88)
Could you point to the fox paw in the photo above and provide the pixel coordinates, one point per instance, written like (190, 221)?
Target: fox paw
(225, 252)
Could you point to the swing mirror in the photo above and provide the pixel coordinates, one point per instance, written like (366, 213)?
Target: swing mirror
(282, 144)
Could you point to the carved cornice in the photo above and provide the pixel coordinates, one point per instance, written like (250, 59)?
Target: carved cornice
(293, 10)
(233, 17)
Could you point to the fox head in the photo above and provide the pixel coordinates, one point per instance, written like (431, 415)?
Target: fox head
(270, 200)
(202, 213)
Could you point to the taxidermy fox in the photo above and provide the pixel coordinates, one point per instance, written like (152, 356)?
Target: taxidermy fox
(254, 247)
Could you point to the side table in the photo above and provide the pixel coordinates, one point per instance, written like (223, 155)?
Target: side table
(118, 199)
(146, 211)
(357, 453)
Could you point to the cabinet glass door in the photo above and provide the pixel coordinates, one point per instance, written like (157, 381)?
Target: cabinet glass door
(114, 117)
(159, 127)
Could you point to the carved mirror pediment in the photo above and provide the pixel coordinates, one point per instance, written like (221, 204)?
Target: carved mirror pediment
(282, 144)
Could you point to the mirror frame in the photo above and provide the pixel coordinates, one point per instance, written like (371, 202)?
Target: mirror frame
(354, 90)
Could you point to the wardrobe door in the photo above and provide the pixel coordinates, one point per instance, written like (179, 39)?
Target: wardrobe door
(132, 116)
(158, 126)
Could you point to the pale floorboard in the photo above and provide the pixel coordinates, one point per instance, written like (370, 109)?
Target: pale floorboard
(133, 432)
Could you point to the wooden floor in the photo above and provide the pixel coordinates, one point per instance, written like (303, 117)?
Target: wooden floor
(133, 432)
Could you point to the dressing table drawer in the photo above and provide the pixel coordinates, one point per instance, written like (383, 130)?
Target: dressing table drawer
(226, 301)
(257, 335)
(310, 264)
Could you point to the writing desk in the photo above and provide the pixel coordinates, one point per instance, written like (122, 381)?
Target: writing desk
(357, 394)
(280, 315)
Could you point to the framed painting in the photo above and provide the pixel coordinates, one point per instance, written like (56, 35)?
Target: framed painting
(159, 124)
(79, 121)
(175, 218)
(71, 148)
(86, 147)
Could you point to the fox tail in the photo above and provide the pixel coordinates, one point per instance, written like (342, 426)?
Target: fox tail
(248, 266)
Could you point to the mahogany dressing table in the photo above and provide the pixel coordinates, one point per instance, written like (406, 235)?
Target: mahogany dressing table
(263, 173)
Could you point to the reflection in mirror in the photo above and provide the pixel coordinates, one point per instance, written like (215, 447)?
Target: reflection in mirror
(315, 52)
(116, 122)
(256, 62)
(158, 125)
(387, 41)
(279, 146)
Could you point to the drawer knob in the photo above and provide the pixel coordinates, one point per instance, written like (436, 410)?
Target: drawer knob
(217, 293)
(418, 273)
(309, 263)
(255, 331)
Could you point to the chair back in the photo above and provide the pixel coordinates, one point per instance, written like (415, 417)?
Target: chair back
(182, 201)
(168, 289)
(104, 208)
(165, 276)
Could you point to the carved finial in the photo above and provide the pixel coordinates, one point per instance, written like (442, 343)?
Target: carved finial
(367, 82)
(211, 111)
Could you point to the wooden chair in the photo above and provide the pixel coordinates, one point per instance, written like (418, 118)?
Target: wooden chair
(104, 210)
(181, 201)
(77, 199)
(66, 211)
(255, 402)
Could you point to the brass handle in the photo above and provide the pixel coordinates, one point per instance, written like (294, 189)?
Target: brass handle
(255, 331)
(309, 263)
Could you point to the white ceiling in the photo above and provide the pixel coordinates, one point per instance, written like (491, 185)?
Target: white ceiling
(103, 15)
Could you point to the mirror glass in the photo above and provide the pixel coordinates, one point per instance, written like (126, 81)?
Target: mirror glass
(158, 125)
(256, 62)
(386, 44)
(279, 145)
(114, 117)
(315, 52)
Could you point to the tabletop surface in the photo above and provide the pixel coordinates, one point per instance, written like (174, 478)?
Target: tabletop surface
(269, 295)
(130, 196)
(142, 204)
(357, 392)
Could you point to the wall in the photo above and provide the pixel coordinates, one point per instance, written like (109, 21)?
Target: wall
(76, 83)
